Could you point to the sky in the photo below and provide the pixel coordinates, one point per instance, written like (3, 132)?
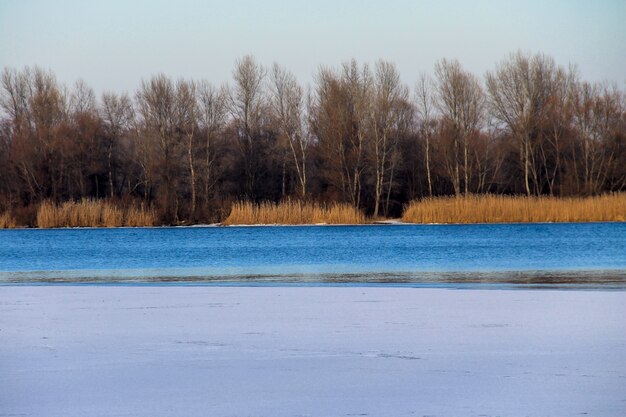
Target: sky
(114, 44)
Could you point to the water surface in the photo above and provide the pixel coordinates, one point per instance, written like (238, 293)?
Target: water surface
(588, 254)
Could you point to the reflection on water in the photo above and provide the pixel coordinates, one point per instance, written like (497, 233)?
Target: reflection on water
(495, 256)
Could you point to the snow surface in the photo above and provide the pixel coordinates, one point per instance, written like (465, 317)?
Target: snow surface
(308, 351)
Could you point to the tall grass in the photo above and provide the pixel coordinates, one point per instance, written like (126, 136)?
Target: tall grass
(7, 221)
(293, 212)
(91, 213)
(139, 217)
(517, 209)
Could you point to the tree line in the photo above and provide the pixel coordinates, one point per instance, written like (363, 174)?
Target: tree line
(358, 135)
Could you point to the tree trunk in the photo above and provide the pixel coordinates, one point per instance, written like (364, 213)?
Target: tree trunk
(465, 170)
(524, 155)
(109, 157)
(457, 177)
(283, 191)
(192, 173)
(428, 175)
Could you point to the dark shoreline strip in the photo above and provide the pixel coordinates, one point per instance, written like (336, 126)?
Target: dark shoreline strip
(594, 279)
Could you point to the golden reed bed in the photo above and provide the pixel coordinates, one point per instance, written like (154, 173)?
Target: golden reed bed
(462, 209)
(7, 221)
(293, 212)
(91, 213)
(517, 209)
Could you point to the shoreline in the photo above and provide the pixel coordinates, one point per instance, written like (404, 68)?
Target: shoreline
(374, 223)
(75, 351)
(574, 279)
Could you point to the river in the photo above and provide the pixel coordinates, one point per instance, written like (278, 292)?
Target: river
(586, 255)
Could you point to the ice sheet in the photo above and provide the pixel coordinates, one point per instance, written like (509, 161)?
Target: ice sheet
(278, 351)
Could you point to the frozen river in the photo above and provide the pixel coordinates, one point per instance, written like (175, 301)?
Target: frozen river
(161, 351)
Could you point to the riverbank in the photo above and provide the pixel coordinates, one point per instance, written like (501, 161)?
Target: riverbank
(470, 209)
(223, 351)
(293, 212)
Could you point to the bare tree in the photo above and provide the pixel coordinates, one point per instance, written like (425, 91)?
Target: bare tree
(247, 104)
(518, 93)
(557, 125)
(289, 109)
(328, 121)
(80, 151)
(156, 100)
(82, 99)
(387, 112)
(117, 115)
(425, 103)
(15, 101)
(357, 83)
(459, 99)
(186, 125)
(47, 112)
(340, 113)
(597, 110)
(15, 97)
(212, 105)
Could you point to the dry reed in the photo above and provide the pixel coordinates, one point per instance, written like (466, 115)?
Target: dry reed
(111, 216)
(140, 217)
(7, 221)
(517, 209)
(293, 212)
(91, 213)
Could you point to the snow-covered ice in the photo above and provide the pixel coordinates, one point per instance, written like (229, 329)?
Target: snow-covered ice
(310, 351)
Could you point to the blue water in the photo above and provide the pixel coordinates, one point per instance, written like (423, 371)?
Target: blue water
(398, 253)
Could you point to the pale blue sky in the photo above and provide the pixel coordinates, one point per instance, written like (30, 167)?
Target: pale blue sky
(113, 44)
